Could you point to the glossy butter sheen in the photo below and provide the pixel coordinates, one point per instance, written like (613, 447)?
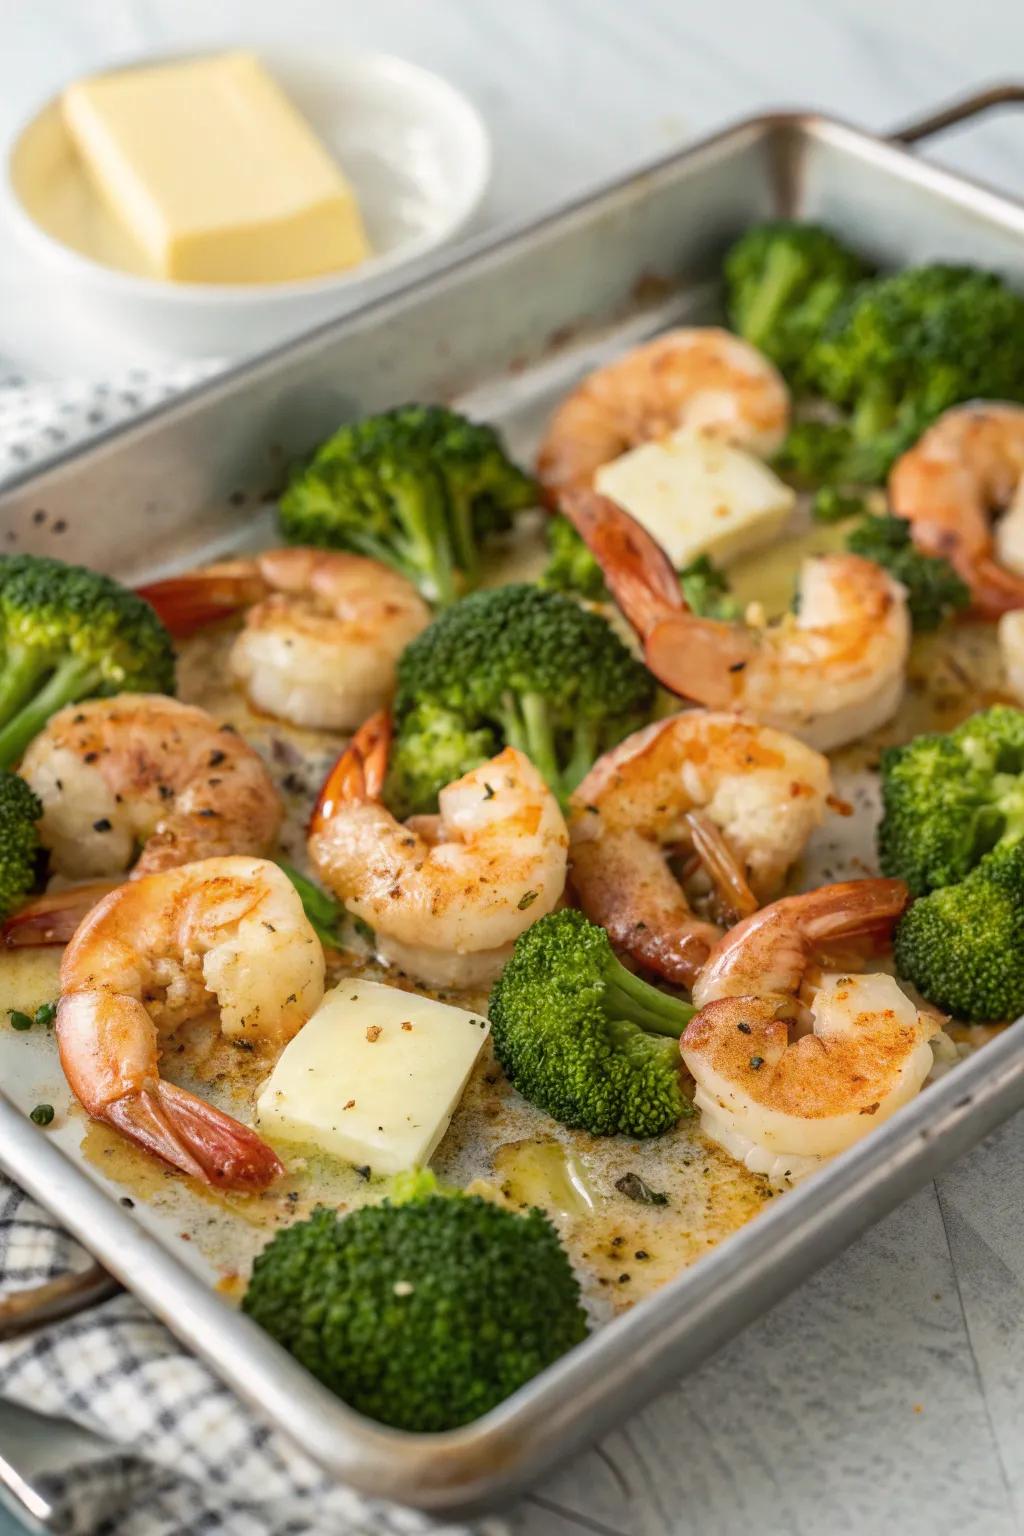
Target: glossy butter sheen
(213, 173)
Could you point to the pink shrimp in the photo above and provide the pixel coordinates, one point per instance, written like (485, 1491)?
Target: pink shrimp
(828, 675)
(159, 951)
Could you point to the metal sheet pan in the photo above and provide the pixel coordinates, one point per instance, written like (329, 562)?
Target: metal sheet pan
(504, 330)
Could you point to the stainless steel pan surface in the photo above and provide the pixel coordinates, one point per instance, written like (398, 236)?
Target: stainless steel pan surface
(503, 332)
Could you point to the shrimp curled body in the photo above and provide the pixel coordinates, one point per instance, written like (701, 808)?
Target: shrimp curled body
(783, 1085)
(962, 473)
(446, 895)
(763, 792)
(828, 674)
(701, 377)
(228, 932)
(322, 632)
(143, 769)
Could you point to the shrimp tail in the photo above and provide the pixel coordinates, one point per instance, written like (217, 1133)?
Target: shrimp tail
(54, 917)
(359, 773)
(637, 570)
(994, 591)
(194, 1137)
(723, 868)
(770, 951)
(187, 603)
(854, 909)
(699, 659)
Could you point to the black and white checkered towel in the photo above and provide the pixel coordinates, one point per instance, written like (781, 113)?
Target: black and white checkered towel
(185, 1455)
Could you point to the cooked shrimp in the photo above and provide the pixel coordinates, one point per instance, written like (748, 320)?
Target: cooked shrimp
(323, 630)
(447, 895)
(676, 784)
(828, 674)
(139, 771)
(1011, 649)
(966, 470)
(699, 377)
(793, 1066)
(163, 949)
(143, 770)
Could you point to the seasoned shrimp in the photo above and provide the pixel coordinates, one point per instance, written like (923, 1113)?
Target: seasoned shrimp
(699, 377)
(137, 771)
(963, 472)
(447, 895)
(1011, 650)
(323, 629)
(743, 797)
(142, 770)
(226, 932)
(828, 674)
(793, 1066)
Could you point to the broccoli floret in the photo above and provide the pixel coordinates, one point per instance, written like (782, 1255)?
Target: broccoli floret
(934, 590)
(67, 633)
(570, 1026)
(433, 746)
(783, 281)
(419, 487)
(511, 666)
(900, 350)
(963, 946)
(20, 810)
(706, 591)
(950, 799)
(425, 1314)
(572, 568)
(814, 452)
(832, 505)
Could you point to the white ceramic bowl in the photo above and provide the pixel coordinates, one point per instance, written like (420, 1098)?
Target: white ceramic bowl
(415, 149)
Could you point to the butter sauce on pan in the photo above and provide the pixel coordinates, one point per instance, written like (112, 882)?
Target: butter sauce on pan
(640, 956)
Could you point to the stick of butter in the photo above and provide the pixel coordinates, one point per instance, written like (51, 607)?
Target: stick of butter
(374, 1077)
(699, 496)
(213, 173)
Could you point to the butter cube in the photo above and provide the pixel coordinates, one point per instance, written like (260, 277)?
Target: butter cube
(374, 1077)
(699, 496)
(213, 173)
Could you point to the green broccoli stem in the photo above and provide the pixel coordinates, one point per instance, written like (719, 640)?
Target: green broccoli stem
(464, 540)
(629, 997)
(1008, 794)
(874, 411)
(22, 674)
(586, 749)
(781, 272)
(421, 505)
(72, 680)
(526, 724)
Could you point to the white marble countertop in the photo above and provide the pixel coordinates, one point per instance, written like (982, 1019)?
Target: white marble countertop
(888, 1393)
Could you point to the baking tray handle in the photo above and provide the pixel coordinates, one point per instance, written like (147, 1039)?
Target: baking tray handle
(52, 1302)
(960, 111)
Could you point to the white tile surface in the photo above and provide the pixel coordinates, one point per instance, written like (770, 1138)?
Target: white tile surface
(888, 1394)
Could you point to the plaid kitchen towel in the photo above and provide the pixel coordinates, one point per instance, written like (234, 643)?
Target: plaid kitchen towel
(185, 1455)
